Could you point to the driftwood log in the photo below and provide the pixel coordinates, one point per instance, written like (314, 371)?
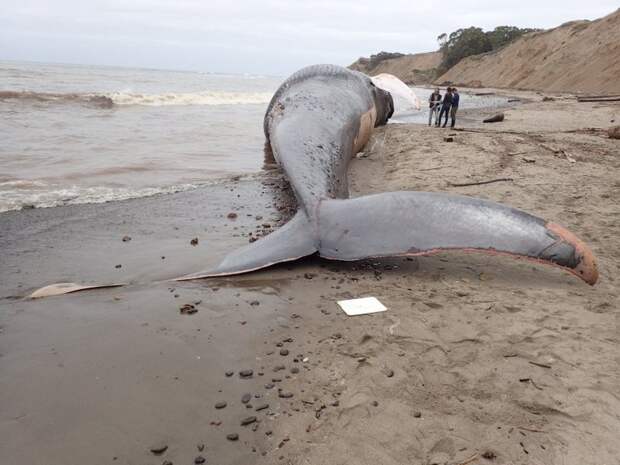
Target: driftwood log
(494, 119)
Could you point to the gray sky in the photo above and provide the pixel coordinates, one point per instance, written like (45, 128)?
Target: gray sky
(262, 36)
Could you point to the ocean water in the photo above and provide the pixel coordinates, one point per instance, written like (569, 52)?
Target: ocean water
(85, 134)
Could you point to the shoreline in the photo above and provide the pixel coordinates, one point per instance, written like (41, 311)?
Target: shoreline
(476, 355)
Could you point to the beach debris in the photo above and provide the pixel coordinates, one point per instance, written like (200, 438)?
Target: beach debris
(362, 306)
(220, 405)
(248, 421)
(262, 407)
(479, 183)
(489, 455)
(614, 132)
(126, 238)
(232, 437)
(159, 448)
(187, 309)
(599, 98)
(529, 160)
(548, 99)
(66, 288)
(494, 119)
(194, 241)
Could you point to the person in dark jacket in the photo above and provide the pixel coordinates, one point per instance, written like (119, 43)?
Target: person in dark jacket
(455, 106)
(446, 103)
(434, 101)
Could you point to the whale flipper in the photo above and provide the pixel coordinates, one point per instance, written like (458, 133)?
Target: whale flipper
(294, 240)
(424, 223)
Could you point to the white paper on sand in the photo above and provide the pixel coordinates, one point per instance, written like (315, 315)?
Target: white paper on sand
(362, 306)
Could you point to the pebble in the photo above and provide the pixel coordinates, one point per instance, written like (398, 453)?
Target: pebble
(254, 303)
(294, 370)
(279, 368)
(194, 241)
(159, 449)
(246, 373)
(126, 238)
(118, 266)
(199, 460)
(229, 373)
(187, 309)
(220, 405)
(246, 398)
(285, 394)
(232, 436)
(201, 447)
(375, 403)
(248, 421)
(284, 352)
(417, 414)
(231, 216)
(389, 373)
(269, 386)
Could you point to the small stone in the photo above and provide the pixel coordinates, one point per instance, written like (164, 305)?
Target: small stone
(201, 447)
(167, 462)
(188, 309)
(220, 405)
(269, 386)
(489, 455)
(417, 414)
(232, 437)
(246, 398)
(231, 216)
(389, 373)
(229, 373)
(294, 370)
(194, 241)
(279, 368)
(375, 403)
(284, 352)
(118, 266)
(199, 460)
(254, 303)
(246, 373)
(126, 238)
(448, 139)
(159, 449)
(262, 407)
(285, 394)
(247, 421)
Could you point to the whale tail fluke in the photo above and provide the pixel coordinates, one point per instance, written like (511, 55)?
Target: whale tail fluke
(424, 223)
(294, 240)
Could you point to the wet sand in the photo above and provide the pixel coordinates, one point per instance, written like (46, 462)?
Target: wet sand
(477, 356)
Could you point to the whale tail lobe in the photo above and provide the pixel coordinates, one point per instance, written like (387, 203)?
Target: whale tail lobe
(413, 224)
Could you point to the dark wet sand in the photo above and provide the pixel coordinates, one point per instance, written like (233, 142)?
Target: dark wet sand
(475, 356)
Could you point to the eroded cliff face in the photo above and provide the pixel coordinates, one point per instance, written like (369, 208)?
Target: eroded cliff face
(579, 56)
(418, 68)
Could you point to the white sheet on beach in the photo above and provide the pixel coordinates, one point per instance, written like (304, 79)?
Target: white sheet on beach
(362, 306)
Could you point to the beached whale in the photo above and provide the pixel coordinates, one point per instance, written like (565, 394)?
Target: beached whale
(316, 121)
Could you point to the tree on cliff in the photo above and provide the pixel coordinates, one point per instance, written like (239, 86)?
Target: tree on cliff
(473, 41)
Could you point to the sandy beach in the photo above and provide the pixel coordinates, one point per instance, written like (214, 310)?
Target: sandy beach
(478, 359)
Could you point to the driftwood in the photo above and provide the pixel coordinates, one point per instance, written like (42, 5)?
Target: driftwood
(494, 119)
(599, 99)
(479, 183)
(560, 152)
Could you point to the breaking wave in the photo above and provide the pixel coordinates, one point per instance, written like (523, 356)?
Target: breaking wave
(109, 100)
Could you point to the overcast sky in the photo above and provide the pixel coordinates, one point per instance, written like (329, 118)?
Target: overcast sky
(266, 36)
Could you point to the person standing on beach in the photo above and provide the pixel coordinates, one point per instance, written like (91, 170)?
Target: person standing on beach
(455, 107)
(445, 106)
(433, 103)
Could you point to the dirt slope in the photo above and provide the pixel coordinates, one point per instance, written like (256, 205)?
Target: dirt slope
(580, 56)
(416, 68)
